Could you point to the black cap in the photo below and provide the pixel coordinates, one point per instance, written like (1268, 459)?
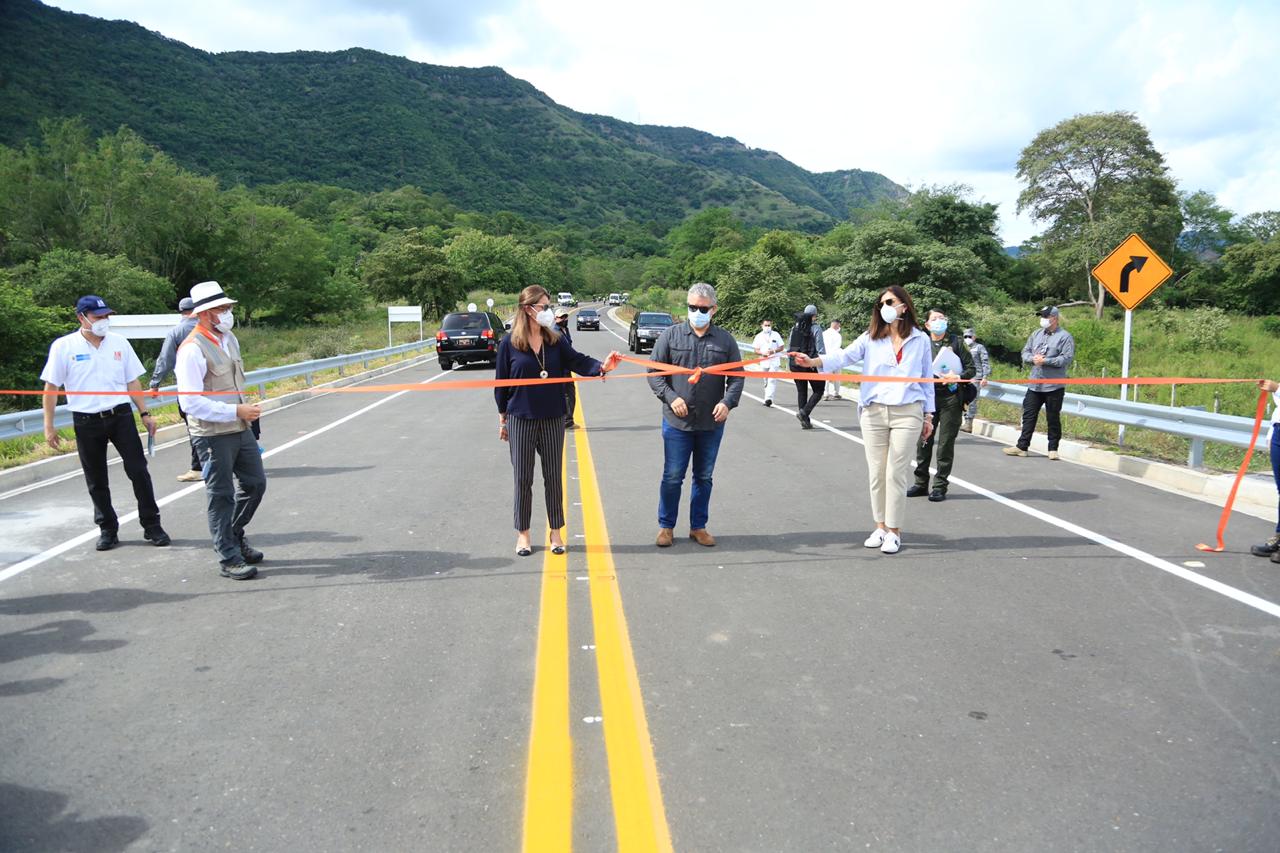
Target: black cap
(1048, 311)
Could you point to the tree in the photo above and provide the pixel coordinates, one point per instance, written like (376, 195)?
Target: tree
(485, 262)
(62, 276)
(29, 329)
(406, 266)
(1252, 278)
(269, 259)
(1262, 226)
(758, 286)
(1095, 178)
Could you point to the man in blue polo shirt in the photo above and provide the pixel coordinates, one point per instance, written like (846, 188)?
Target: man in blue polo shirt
(92, 358)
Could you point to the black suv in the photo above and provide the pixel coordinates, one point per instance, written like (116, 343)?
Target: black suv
(467, 336)
(645, 328)
(588, 318)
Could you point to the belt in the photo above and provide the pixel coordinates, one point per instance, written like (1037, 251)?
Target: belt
(81, 417)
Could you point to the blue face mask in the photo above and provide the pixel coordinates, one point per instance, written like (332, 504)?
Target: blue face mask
(938, 327)
(699, 320)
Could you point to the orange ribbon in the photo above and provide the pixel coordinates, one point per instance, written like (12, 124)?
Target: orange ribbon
(735, 369)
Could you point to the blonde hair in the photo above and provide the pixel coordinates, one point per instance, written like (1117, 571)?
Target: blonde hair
(523, 326)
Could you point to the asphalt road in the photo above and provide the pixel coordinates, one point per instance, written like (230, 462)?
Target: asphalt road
(1029, 673)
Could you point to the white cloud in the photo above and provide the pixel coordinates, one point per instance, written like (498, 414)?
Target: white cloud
(930, 92)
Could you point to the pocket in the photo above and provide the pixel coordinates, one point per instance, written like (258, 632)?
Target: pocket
(218, 368)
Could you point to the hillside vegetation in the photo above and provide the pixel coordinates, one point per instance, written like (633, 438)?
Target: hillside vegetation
(368, 121)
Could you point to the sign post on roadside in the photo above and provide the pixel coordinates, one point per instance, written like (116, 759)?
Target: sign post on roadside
(403, 314)
(1131, 273)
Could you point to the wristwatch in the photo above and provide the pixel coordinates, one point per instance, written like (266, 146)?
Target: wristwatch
(144, 414)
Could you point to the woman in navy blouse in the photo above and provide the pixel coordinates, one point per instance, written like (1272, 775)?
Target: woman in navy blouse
(531, 417)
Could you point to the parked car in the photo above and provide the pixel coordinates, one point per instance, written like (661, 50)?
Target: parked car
(615, 298)
(588, 318)
(645, 328)
(469, 336)
(567, 300)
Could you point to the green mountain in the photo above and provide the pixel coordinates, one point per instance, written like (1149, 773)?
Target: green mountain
(369, 121)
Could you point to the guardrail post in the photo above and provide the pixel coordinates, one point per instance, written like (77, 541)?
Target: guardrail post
(340, 373)
(307, 378)
(262, 390)
(1195, 455)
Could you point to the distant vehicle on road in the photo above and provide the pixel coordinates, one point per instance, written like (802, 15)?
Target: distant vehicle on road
(469, 336)
(566, 299)
(645, 328)
(615, 298)
(626, 297)
(588, 318)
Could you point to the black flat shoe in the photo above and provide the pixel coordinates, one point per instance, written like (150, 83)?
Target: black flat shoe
(937, 496)
(917, 491)
(523, 552)
(557, 549)
(107, 540)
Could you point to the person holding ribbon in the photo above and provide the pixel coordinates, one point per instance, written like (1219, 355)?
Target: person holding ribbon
(949, 403)
(1049, 350)
(1271, 547)
(211, 385)
(95, 359)
(531, 417)
(894, 415)
(693, 412)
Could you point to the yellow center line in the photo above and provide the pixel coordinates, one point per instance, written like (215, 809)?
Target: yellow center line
(548, 795)
(639, 817)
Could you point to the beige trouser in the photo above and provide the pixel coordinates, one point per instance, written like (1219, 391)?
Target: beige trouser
(890, 435)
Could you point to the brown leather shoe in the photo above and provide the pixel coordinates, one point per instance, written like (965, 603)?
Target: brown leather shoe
(665, 537)
(702, 537)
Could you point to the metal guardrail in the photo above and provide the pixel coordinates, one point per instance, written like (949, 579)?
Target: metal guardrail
(1191, 422)
(15, 424)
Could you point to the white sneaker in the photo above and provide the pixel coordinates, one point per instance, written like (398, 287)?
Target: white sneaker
(876, 539)
(892, 542)
(190, 477)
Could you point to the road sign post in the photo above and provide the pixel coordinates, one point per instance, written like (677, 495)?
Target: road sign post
(1131, 273)
(403, 314)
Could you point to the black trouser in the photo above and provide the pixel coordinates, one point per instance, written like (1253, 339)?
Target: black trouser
(1052, 402)
(195, 457)
(92, 434)
(946, 426)
(570, 400)
(808, 392)
(545, 438)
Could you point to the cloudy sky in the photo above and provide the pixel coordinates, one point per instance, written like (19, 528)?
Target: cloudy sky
(925, 92)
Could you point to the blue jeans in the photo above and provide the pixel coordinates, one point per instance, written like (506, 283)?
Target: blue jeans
(1275, 464)
(677, 446)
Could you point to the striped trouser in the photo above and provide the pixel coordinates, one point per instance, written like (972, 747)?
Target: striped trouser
(544, 436)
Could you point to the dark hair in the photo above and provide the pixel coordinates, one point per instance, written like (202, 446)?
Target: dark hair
(906, 313)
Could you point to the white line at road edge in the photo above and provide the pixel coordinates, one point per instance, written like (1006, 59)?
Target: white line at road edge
(89, 536)
(1219, 587)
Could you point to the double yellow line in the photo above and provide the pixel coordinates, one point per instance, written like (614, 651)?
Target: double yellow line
(640, 820)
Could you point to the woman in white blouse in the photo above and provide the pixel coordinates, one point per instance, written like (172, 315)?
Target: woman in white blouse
(892, 413)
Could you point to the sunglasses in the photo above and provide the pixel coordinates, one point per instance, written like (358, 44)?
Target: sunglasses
(890, 301)
(703, 308)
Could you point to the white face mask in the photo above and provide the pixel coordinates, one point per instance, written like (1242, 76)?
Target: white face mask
(888, 313)
(699, 320)
(545, 318)
(101, 327)
(1044, 322)
(226, 321)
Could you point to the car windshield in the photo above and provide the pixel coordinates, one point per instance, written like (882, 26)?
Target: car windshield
(465, 322)
(654, 320)
(587, 312)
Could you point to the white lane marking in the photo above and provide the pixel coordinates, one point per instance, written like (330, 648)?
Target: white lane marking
(70, 475)
(90, 535)
(1208, 583)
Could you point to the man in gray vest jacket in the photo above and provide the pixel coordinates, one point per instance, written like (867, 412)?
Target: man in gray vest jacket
(209, 361)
